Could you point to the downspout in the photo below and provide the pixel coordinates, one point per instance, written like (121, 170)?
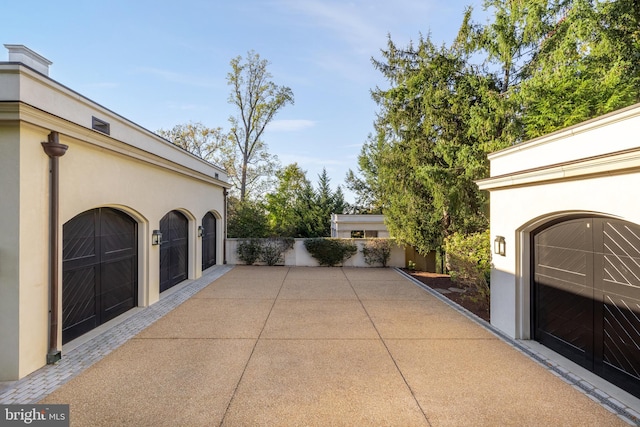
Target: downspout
(224, 237)
(54, 149)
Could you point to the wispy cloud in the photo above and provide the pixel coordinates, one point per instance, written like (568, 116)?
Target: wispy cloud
(345, 20)
(102, 85)
(175, 77)
(290, 125)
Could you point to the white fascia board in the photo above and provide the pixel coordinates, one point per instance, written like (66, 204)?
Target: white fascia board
(613, 164)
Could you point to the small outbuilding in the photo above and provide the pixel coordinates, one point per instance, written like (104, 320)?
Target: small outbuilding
(565, 223)
(97, 215)
(358, 226)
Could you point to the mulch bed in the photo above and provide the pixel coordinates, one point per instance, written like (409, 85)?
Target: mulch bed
(443, 281)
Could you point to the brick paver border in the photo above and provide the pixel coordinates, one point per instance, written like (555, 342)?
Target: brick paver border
(45, 380)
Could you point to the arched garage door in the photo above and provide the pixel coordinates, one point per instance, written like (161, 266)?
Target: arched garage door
(586, 296)
(99, 269)
(208, 241)
(174, 249)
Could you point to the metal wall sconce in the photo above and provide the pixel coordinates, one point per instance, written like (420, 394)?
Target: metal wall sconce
(499, 246)
(200, 231)
(156, 237)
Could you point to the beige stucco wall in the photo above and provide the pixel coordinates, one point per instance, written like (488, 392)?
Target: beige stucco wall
(527, 192)
(132, 170)
(9, 248)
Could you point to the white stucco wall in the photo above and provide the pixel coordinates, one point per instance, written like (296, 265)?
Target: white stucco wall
(131, 169)
(529, 188)
(298, 255)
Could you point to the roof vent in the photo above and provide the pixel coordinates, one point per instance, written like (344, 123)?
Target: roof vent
(100, 125)
(24, 55)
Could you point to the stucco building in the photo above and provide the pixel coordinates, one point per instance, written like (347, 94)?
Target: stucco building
(565, 221)
(358, 226)
(101, 218)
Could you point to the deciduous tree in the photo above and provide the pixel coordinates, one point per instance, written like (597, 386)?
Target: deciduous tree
(257, 100)
(210, 144)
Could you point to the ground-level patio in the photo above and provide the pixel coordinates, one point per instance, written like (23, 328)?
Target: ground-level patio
(309, 346)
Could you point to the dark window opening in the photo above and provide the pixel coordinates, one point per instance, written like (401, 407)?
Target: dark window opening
(100, 125)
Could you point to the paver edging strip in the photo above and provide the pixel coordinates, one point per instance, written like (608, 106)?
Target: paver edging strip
(594, 393)
(47, 379)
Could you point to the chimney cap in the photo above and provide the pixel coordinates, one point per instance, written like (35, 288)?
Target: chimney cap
(21, 53)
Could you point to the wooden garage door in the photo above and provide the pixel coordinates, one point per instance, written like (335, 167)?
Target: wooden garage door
(586, 295)
(99, 269)
(174, 249)
(208, 241)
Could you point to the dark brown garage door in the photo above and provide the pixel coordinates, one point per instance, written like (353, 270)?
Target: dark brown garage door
(208, 241)
(100, 274)
(174, 251)
(586, 295)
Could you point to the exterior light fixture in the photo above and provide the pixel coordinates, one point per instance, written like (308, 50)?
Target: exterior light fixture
(200, 231)
(156, 237)
(499, 246)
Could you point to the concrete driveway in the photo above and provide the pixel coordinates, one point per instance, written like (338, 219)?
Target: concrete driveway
(321, 346)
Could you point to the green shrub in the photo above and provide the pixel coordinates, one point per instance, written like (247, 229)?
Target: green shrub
(273, 249)
(377, 251)
(330, 252)
(249, 251)
(469, 263)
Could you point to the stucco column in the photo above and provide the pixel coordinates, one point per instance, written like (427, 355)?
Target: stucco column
(54, 150)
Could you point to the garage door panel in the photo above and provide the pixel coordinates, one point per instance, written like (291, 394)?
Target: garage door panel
(99, 269)
(79, 238)
(621, 343)
(566, 316)
(174, 252)
(563, 264)
(79, 300)
(574, 235)
(208, 241)
(119, 289)
(621, 239)
(598, 310)
(621, 271)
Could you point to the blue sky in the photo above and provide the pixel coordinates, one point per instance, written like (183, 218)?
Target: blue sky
(161, 63)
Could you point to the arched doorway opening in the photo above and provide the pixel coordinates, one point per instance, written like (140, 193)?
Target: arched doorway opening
(99, 269)
(208, 241)
(585, 295)
(174, 249)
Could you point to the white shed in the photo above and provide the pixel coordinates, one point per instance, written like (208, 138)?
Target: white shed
(358, 226)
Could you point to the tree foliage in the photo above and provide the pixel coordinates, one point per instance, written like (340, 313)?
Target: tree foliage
(587, 65)
(207, 143)
(296, 209)
(536, 66)
(435, 127)
(291, 183)
(246, 219)
(257, 100)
